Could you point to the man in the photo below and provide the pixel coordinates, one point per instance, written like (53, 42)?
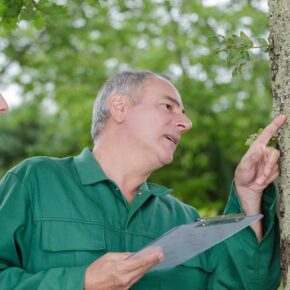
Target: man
(3, 105)
(72, 223)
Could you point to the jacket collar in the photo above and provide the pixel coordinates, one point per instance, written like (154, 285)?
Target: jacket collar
(88, 168)
(90, 172)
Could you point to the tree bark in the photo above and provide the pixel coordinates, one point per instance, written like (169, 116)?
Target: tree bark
(279, 40)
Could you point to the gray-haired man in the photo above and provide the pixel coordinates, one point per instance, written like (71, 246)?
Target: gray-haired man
(71, 223)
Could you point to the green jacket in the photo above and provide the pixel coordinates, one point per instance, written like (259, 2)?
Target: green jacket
(59, 215)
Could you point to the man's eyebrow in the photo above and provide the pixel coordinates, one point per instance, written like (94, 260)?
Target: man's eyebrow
(178, 104)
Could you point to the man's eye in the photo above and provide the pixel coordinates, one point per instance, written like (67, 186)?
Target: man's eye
(168, 107)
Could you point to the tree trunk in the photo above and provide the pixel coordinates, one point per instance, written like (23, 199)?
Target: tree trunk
(279, 39)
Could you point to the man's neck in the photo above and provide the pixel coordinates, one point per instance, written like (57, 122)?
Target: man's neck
(120, 166)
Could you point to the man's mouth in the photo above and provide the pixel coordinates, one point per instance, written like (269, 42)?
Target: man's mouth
(173, 139)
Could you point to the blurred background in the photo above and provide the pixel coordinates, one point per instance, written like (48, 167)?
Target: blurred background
(55, 55)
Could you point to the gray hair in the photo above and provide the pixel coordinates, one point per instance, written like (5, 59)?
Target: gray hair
(127, 83)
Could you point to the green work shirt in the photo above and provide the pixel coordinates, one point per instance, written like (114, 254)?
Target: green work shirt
(59, 215)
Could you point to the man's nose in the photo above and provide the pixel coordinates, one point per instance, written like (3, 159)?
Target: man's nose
(183, 123)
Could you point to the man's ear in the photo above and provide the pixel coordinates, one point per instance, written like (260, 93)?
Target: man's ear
(118, 106)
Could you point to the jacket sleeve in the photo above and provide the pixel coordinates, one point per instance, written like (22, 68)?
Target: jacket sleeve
(247, 264)
(16, 223)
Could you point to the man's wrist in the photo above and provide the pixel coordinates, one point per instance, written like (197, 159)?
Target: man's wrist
(250, 201)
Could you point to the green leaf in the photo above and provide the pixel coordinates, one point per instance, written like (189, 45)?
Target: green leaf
(247, 42)
(237, 49)
(9, 23)
(28, 13)
(219, 49)
(3, 9)
(253, 137)
(263, 42)
(13, 8)
(10, 11)
(39, 21)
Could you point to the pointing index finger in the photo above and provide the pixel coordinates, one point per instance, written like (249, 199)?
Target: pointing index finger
(269, 131)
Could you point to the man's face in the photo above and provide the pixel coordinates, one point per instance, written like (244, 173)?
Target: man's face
(157, 121)
(3, 105)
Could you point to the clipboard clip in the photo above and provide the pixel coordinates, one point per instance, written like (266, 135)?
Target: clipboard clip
(222, 219)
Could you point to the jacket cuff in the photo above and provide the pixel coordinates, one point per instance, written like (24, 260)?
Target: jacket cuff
(269, 203)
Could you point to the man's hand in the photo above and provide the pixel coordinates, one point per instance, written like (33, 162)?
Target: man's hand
(114, 271)
(257, 169)
(3, 105)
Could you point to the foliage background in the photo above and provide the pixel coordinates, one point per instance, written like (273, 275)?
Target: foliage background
(59, 53)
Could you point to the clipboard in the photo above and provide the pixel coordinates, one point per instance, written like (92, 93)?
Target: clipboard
(188, 240)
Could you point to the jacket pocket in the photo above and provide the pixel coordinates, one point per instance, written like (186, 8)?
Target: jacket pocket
(71, 243)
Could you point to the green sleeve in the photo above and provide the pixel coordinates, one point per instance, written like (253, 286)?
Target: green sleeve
(247, 264)
(16, 222)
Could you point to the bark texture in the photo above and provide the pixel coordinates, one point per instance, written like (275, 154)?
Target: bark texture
(279, 39)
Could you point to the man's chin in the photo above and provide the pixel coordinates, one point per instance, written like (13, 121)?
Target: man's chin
(166, 161)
